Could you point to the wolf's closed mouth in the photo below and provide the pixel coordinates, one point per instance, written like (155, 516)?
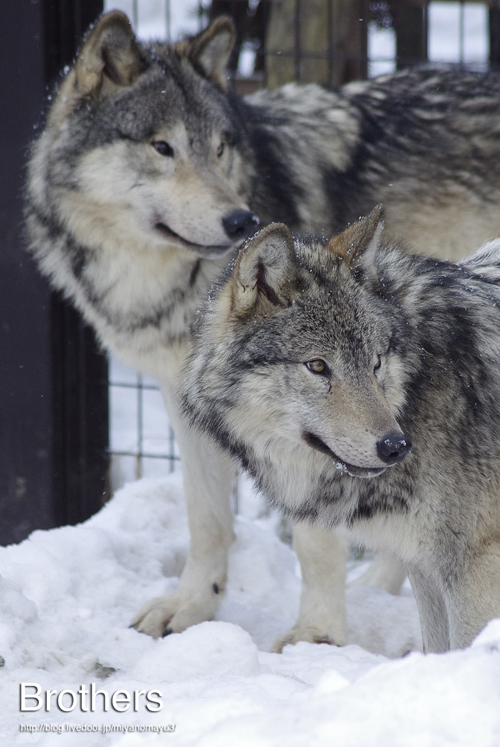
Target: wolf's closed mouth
(317, 443)
(169, 234)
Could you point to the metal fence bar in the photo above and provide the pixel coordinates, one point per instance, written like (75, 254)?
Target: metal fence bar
(146, 455)
(140, 427)
(297, 52)
(329, 50)
(172, 456)
(461, 33)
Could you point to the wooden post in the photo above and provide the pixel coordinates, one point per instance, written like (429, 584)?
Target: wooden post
(494, 18)
(410, 23)
(320, 41)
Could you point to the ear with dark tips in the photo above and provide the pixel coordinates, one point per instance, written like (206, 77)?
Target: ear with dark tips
(211, 49)
(359, 242)
(109, 55)
(264, 270)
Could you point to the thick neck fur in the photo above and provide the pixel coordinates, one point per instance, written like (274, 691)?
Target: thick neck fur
(137, 296)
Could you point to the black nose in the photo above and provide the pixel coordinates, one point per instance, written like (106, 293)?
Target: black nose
(393, 447)
(239, 224)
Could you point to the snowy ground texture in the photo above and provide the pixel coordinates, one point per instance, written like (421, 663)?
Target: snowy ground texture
(67, 597)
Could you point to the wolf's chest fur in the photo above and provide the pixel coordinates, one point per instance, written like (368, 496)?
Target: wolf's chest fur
(144, 301)
(141, 300)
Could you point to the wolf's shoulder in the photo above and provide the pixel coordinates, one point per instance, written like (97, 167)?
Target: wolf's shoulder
(295, 103)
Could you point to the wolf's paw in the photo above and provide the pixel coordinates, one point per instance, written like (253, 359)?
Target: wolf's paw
(310, 635)
(172, 613)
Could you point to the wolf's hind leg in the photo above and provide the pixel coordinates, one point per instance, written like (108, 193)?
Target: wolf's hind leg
(322, 616)
(208, 476)
(384, 572)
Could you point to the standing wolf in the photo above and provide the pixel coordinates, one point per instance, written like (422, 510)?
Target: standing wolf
(360, 386)
(150, 174)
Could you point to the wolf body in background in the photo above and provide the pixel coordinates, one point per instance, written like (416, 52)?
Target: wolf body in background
(148, 176)
(319, 366)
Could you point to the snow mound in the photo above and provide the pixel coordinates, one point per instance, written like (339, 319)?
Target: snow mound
(67, 597)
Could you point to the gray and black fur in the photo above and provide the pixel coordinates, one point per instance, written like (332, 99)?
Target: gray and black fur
(409, 352)
(425, 142)
(150, 173)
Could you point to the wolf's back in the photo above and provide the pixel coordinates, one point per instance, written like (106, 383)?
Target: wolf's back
(486, 261)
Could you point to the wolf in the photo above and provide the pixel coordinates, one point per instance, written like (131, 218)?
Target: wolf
(359, 385)
(149, 175)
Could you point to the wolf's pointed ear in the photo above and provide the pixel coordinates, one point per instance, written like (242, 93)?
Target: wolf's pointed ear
(109, 55)
(358, 244)
(262, 274)
(211, 49)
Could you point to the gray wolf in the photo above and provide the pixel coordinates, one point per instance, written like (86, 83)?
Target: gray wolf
(360, 385)
(150, 173)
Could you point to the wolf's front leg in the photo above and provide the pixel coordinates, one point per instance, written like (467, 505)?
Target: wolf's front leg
(208, 475)
(322, 615)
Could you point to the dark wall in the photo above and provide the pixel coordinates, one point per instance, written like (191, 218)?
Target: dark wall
(53, 397)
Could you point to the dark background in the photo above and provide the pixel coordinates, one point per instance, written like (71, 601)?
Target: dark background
(53, 427)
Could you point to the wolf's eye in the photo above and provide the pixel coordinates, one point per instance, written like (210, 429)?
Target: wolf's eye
(163, 148)
(220, 150)
(377, 364)
(318, 366)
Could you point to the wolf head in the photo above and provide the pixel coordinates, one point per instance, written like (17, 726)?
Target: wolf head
(298, 364)
(141, 143)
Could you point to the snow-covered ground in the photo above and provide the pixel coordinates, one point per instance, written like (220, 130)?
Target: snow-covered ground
(67, 597)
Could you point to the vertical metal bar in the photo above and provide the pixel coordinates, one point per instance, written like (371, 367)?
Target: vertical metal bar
(361, 63)
(83, 415)
(425, 21)
(494, 37)
(135, 14)
(171, 440)
(297, 50)
(264, 47)
(78, 20)
(330, 42)
(461, 34)
(167, 19)
(140, 391)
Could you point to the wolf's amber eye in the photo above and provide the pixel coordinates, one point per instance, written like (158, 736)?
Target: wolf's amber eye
(163, 148)
(317, 365)
(220, 150)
